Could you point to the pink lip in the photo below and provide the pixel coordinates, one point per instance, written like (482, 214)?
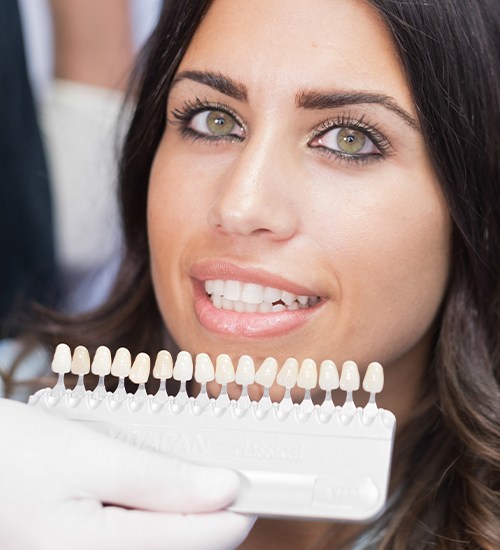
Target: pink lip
(246, 325)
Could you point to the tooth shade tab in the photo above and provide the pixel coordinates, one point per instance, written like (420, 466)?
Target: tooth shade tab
(122, 363)
(139, 373)
(203, 369)
(81, 361)
(266, 374)
(164, 365)
(328, 375)
(61, 363)
(308, 375)
(224, 369)
(245, 371)
(373, 381)
(101, 364)
(287, 376)
(183, 368)
(349, 378)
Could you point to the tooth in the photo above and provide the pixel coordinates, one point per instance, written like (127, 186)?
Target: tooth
(139, 373)
(303, 300)
(122, 363)
(203, 369)
(224, 369)
(308, 375)
(252, 293)
(101, 365)
(279, 307)
(288, 298)
(209, 287)
(183, 368)
(265, 307)
(349, 379)
(62, 359)
(81, 361)
(328, 375)
(232, 290)
(245, 372)
(217, 300)
(373, 381)
(313, 300)
(266, 374)
(251, 308)
(239, 306)
(293, 306)
(218, 287)
(163, 365)
(271, 294)
(227, 304)
(287, 376)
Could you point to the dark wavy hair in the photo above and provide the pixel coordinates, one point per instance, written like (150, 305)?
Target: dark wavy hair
(450, 51)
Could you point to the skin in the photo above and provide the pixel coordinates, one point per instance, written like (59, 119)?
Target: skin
(371, 237)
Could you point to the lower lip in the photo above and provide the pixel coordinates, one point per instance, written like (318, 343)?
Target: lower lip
(247, 325)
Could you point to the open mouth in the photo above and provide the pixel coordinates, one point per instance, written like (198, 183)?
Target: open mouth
(234, 295)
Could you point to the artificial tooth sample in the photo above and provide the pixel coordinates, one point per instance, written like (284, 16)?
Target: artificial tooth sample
(101, 366)
(203, 373)
(307, 380)
(328, 381)
(373, 383)
(224, 374)
(287, 377)
(120, 367)
(349, 382)
(61, 364)
(245, 375)
(162, 371)
(183, 372)
(80, 365)
(122, 363)
(266, 376)
(139, 374)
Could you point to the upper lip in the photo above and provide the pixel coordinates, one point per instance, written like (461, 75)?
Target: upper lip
(221, 269)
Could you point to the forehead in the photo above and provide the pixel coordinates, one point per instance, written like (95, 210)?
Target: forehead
(291, 45)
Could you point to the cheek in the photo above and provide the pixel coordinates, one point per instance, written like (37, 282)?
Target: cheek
(390, 253)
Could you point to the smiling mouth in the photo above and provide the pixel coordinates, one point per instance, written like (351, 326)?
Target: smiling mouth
(234, 295)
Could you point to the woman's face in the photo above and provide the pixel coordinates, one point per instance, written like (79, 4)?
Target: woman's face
(292, 163)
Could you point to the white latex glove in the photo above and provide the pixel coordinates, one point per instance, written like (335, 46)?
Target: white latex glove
(55, 476)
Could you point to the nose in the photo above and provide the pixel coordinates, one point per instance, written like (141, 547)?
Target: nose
(255, 194)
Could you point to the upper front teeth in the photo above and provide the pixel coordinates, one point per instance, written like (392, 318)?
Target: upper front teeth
(232, 293)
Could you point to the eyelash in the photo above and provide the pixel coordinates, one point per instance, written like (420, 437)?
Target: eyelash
(190, 109)
(351, 123)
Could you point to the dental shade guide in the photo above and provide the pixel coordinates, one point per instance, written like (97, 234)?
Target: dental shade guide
(296, 460)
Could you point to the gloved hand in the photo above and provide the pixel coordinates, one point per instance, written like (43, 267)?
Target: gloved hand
(55, 476)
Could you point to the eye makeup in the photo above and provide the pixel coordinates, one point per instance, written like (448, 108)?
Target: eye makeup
(352, 139)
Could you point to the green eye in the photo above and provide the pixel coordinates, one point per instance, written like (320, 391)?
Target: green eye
(350, 141)
(219, 123)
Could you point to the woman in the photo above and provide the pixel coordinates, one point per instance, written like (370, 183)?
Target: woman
(345, 152)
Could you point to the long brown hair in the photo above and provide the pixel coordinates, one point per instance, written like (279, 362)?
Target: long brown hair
(450, 494)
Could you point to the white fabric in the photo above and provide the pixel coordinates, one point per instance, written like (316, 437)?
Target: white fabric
(36, 364)
(79, 124)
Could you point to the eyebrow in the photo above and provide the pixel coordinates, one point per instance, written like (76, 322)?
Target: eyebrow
(306, 99)
(316, 100)
(218, 81)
